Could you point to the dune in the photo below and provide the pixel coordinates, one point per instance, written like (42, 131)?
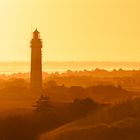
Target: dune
(116, 131)
(121, 122)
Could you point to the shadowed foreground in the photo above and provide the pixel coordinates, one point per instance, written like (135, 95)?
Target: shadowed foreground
(85, 113)
(121, 122)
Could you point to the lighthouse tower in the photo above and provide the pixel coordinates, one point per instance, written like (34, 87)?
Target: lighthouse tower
(36, 63)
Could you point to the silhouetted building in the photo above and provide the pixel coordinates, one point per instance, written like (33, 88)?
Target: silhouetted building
(36, 63)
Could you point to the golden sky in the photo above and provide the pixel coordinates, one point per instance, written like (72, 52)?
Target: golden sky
(72, 30)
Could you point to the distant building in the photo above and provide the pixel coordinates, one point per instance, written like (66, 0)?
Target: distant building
(36, 63)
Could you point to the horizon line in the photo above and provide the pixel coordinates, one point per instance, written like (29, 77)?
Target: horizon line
(71, 61)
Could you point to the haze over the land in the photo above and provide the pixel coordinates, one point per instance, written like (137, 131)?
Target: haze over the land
(88, 84)
(76, 30)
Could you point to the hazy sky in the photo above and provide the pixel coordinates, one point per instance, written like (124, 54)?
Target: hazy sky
(79, 30)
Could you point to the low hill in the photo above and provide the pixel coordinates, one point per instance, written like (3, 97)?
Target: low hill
(121, 122)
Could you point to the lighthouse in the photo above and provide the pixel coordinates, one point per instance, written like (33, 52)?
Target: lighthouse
(36, 63)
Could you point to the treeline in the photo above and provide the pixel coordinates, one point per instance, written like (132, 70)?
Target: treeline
(128, 79)
(19, 90)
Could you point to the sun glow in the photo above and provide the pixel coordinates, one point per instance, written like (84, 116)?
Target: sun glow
(78, 30)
